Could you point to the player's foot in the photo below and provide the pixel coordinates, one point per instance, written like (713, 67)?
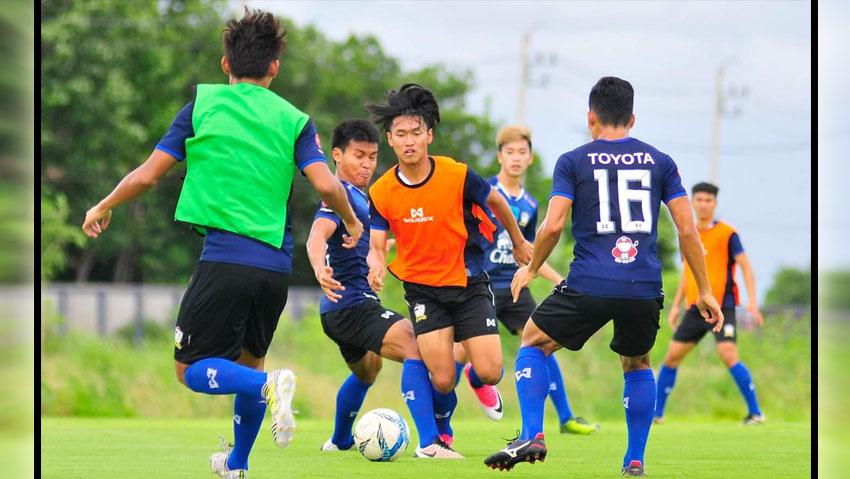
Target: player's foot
(518, 450)
(437, 450)
(448, 439)
(658, 420)
(278, 391)
(634, 469)
(754, 419)
(488, 397)
(329, 446)
(577, 425)
(218, 463)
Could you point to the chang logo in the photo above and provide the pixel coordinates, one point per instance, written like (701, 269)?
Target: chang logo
(503, 252)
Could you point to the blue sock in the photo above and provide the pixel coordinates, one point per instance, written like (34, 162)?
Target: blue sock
(746, 386)
(444, 407)
(474, 380)
(458, 372)
(248, 414)
(532, 387)
(348, 401)
(557, 391)
(222, 376)
(666, 381)
(416, 389)
(639, 401)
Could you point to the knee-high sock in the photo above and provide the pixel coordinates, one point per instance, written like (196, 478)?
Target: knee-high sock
(746, 386)
(532, 386)
(557, 391)
(418, 396)
(222, 376)
(666, 381)
(639, 402)
(444, 407)
(348, 401)
(248, 413)
(458, 371)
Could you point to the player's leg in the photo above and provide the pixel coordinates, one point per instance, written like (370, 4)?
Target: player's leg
(727, 348)
(351, 394)
(689, 332)
(436, 350)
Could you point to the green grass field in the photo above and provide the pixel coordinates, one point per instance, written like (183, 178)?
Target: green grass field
(161, 448)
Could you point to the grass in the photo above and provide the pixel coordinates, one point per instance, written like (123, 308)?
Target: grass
(161, 448)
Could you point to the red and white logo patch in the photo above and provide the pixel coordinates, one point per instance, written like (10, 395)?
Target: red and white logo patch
(318, 142)
(625, 250)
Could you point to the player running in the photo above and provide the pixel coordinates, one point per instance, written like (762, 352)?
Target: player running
(351, 313)
(723, 252)
(241, 144)
(614, 185)
(434, 206)
(514, 153)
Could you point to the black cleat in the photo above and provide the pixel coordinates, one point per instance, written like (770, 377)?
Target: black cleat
(518, 450)
(634, 469)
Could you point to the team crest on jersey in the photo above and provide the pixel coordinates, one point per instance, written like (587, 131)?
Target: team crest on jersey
(625, 250)
(419, 312)
(523, 219)
(319, 142)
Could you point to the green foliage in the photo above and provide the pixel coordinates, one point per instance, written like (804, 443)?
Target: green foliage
(56, 234)
(791, 287)
(836, 291)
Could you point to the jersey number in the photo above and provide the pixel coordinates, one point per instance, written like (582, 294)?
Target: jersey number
(626, 195)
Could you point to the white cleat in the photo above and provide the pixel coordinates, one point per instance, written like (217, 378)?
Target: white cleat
(437, 450)
(218, 463)
(329, 446)
(278, 391)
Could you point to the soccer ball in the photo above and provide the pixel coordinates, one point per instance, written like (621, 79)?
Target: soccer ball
(381, 435)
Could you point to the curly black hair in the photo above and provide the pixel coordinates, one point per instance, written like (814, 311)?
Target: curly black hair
(252, 43)
(409, 100)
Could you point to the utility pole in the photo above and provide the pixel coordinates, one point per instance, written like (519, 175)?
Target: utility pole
(523, 77)
(721, 95)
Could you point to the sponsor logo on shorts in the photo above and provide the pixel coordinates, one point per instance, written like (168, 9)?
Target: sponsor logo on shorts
(387, 314)
(178, 338)
(625, 250)
(491, 322)
(419, 312)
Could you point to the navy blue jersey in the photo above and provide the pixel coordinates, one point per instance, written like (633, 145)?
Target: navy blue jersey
(617, 188)
(349, 265)
(226, 247)
(499, 258)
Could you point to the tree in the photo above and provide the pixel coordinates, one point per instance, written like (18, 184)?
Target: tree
(791, 287)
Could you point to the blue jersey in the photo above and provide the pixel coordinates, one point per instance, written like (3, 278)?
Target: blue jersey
(617, 188)
(227, 247)
(499, 258)
(349, 265)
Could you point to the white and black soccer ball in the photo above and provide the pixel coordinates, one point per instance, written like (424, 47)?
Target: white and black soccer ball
(381, 435)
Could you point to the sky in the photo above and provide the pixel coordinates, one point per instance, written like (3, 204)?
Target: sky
(670, 52)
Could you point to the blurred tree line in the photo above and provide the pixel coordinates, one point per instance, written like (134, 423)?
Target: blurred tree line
(114, 74)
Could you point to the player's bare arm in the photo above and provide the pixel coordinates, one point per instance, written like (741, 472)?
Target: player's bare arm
(320, 233)
(547, 237)
(377, 259)
(521, 247)
(742, 260)
(691, 248)
(675, 307)
(333, 194)
(134, 184)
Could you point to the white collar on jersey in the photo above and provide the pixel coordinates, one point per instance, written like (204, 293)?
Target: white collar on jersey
(504, 190)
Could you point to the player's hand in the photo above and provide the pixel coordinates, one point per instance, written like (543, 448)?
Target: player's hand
(376, 278)
(96, 222)
(522, 278)
(754, 310)
(355, 231)
(522, 252)
(710, 311)
(673, 319)
(329, 284)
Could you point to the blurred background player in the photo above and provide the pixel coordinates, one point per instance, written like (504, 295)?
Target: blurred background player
(434, 206)
(351, 312)
(515, 155)
(723, 251)
(241, 144)
(614, 186)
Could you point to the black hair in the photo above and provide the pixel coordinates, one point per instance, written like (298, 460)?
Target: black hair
(705, 188)
(409, 100)
(612, 99)
(354, 130)
(252, 43)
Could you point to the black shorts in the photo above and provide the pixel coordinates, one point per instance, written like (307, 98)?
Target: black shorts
(469, 310)
(694, 327)
(359, 328)
(514, 315)
(228, 307)
(571, 318)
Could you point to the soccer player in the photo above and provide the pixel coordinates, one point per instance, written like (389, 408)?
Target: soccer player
(351, 313)
(723, 251)
(241, 144)
(614, 186)
(434, 207)
(514, 153)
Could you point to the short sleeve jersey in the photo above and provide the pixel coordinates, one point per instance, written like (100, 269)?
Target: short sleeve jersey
(499, 259)
(617, 187)
(226, 247)
(349, 265)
